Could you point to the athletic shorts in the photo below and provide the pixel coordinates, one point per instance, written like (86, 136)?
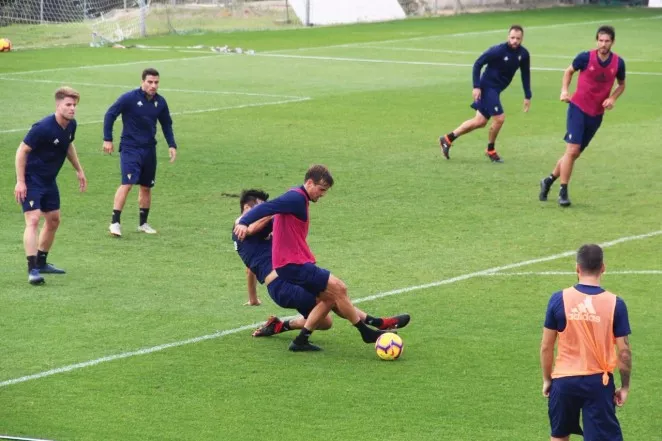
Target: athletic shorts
(45, 198)
(290, 296)
(570, 396)
(581, 128)
(489, 104)
(138, 166)
(308, 276)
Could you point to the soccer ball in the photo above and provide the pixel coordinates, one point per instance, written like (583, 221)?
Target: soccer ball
(5, 45)
(389, 346)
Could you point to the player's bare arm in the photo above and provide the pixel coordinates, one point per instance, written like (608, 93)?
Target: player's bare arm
(251, 285)
(565, 84)
(258, 226)
(624, 368)
(72, 156)
(609, 102)
(547, 358)
(21, 190)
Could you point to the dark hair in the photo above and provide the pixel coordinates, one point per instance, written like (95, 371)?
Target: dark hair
(609, 30)
(150, 71)
(251, 197)
(319, 173)
(516, 27)
(589, 258)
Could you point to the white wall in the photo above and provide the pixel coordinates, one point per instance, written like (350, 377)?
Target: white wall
(325, 12)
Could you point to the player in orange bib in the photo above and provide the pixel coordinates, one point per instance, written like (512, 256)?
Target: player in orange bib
(591, 326)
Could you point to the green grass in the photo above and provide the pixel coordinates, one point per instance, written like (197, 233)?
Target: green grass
(399, 216)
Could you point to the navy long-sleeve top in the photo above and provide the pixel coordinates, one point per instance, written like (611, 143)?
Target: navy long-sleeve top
(139, 117)
(290, 202)
(502, 63)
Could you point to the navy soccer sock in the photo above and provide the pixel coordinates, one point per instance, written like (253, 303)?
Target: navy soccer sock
(144, 212)
(302, 338)
(374, 321)
(116, 217)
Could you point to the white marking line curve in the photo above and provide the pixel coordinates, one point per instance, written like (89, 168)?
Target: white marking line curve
(416, 63)
(191, 112)
(219, 334)
(20, 438)
(571, 273)
(161, 89)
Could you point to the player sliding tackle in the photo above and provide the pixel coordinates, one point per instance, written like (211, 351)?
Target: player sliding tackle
(294, 263)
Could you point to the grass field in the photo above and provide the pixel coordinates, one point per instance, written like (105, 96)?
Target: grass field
(145, 338)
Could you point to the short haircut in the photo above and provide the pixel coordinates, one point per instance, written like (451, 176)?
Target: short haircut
(319, 174)
(590, 258)
(516, 27)
(251, 197)
(609, 30)
(67, 92)
(150, 71)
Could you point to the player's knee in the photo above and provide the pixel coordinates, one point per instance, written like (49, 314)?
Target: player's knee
(325, 324)
(32, 221)
(53, 221)
(573, 151)
(339, 288)
(498, 120)
(480, 121)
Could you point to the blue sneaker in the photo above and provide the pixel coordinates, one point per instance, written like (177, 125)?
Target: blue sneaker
(50, 269)
(34, 278)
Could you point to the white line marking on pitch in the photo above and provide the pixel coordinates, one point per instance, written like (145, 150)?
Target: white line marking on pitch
(490, 31)
(19, 438)
(450, 51)
(572, 273)
(192, 112)
(219, 334)
(415, 63)
(134, 86)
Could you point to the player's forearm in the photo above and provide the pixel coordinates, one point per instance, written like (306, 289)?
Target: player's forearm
(526, 82)
(169, 135)
(567, 78)
(546, 362)
(72, 156)
(625, 366)
(618, 91)
(21, 161)
(251, 283)
(109, 120)
(259, 225)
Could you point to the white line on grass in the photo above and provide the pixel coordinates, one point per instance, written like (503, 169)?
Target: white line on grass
(450, 51)
(219, 334)
(191, 112)
(462, 34)
(415, 63)
(19, 438)
(96, 66)
(134, 86)
(571, 273)
(467, 34)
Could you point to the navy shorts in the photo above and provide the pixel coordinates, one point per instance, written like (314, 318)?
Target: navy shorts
(581, 128)
(44, 198)
(290, 296)
(308, 276)
(569, 396)
(138, 166)
(489, 104)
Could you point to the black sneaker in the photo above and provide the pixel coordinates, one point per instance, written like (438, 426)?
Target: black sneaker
(307, 347)
(545, 186)
(34, 278)
(397, 322)
(493, 155)
(272, 326)
(445, 144)
(50, 269)
(564, 200)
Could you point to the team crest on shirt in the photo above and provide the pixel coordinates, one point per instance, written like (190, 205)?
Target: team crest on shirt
(56, 142)
(140, 103)
(519, 58)
(156, 104)
(591, 68)
(505, 58)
